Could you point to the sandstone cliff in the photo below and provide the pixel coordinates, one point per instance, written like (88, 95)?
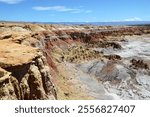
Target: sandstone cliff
(24, 73)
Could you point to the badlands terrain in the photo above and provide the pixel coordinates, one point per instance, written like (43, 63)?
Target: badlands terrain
(50, 61)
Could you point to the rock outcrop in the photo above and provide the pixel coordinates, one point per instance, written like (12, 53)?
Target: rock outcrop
(139, 64)
(24, 73)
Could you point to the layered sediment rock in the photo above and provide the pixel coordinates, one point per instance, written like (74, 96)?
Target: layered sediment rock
(24, 73)
(32, 57)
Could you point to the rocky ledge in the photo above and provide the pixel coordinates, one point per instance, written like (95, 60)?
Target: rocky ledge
(44, 61)
(24, 73)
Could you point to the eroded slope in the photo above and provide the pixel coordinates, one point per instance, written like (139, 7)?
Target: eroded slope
(40, 61)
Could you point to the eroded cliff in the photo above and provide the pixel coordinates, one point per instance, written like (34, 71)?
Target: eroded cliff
(41, 61)
(24, 73)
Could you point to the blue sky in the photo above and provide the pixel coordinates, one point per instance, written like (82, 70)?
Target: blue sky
(75, 10)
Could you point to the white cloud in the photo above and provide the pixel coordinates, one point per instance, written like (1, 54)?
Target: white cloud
(133, 19)
(11, 1)
(55, 8)
(61, 9)
(128, 19)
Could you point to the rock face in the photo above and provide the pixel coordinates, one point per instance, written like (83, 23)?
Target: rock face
(9, 88)
(24, 73)
(36, 84)
(39, 61)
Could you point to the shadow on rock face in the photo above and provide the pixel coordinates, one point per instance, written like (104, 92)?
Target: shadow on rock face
(19, 71)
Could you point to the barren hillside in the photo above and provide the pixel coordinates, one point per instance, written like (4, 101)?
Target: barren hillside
(45, 61)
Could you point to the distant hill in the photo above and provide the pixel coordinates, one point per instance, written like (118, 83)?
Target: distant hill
(106, 23)
(119, 23)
